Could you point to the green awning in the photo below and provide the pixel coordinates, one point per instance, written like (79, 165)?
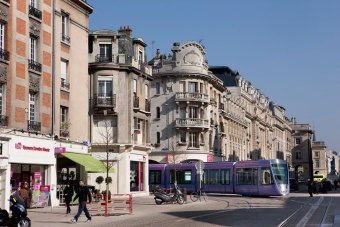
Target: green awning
(91, 164)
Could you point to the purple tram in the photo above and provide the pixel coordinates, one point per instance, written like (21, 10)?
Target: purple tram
(262, 177)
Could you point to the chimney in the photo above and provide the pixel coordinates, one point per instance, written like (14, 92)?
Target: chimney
(126, 30)
(158, 53)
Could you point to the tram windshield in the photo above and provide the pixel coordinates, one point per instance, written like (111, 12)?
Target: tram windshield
(280, 173)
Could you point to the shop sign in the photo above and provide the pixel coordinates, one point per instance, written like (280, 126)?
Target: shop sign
(20, 146)
(59, 150)
(137, 157)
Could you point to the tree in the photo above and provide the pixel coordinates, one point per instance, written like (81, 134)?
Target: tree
(99, 180)
(107, 135)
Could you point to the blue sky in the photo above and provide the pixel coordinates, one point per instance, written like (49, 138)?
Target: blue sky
(288, 49)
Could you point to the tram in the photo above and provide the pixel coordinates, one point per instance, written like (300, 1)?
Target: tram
(261, 178)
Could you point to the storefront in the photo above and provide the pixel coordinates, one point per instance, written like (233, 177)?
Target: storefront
(137, 166)
(32, 160)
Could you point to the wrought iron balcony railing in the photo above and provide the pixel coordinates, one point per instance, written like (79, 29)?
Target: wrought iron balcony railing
(3, 121)
(192, 122)
(192, 96)
(64, 84)
(33, 126)
(34, 12)
(4, 54)
(65, 38)
(105, 58)
(104, 100)
(34, 65)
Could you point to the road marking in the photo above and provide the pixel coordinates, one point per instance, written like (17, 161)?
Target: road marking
(323, 223)
(310, 213)
(290, 216)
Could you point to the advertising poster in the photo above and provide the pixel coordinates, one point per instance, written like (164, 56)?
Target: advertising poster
(41, 197)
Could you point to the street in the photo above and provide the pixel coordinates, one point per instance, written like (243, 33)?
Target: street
(297, 209)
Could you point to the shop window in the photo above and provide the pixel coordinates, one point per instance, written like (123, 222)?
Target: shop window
(136, 176)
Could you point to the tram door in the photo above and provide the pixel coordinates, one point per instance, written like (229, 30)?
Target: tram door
(266, 182)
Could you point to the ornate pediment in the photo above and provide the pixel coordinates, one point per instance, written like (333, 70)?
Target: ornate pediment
(192, 58)
(34, 83)
(35, 28)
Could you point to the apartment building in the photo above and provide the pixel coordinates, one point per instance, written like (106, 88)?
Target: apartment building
(319, 155)
(120, 107)
(28, 49)
(186, 101)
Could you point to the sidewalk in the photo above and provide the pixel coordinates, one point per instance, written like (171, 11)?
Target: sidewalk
(142, 206)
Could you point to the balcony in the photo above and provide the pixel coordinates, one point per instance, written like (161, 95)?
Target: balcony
(36, 66)
(3, 121)
(192, 123)
(221, 106)
(35, 12)
(33, 126)
(65, 38)
(192, 96)
(64, 85)
(135, 102)
(102, 58)
(4, 55)
(104, 101)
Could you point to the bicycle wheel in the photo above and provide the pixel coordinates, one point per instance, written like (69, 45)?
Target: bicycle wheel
(194, 196)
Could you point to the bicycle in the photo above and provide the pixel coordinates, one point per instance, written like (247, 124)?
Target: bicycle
(194, 196)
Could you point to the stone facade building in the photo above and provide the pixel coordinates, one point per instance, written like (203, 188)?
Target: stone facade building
(319, 158)
(186, 102)
(120, 107)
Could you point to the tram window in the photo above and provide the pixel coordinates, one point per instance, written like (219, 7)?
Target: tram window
(225, 176)
(213, 176)
(182, 177)
(246, 176)
(155, 177)
(205, 177)
(266, 176)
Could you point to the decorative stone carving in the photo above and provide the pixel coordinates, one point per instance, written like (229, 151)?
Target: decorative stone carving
(3, 12)
(3, 73)
(34, 83)
(35, 28)
(192, 58)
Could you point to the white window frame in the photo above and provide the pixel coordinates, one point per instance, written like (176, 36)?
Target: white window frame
(33, 49)
(3, 99)
(63, 69)
(146, 89)
(134, 86)
(64, 24)
(2, 36)
(106, 54)
(32, 115)
(105, 80)
(193, 140)
(63, 114)
(33, 3)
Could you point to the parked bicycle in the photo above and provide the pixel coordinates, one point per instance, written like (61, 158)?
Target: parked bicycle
(194, 196)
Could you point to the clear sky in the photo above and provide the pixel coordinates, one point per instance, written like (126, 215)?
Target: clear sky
(290, 50)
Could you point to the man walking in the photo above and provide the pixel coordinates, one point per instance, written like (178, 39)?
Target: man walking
(82, 194)
(310, 186)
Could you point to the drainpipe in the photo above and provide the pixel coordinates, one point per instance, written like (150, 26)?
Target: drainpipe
(53, 69)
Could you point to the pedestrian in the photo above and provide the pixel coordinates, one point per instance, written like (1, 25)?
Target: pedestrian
(82, 194)
(335, 185)
(310, 186)
(68, 194)
(24, 193)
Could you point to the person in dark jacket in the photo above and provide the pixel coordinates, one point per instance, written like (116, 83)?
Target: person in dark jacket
(310, 185)
(82, 194)
(68, 194)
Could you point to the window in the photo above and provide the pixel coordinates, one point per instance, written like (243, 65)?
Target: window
(146, 89)
(193, 140)
(316, 154)
(64, 26)
(63, 73)
(202, 138)
(33, 3)
(193, 87)
(182, 113)
(158, 112)
(158, 138)
(105, 50)
(63, 114)
(105, 87)
(225, 176)
(266, 177)
(317, 163)
(182, 86)
(246, 176)
(155, 177)
(298, 141)
(140, 57)
(2, 98)
(33, 48)
(2, 36)
(182, 176)
(182, 137)
(298, 155)
(158, 88)
(134, 87)
(193, 112)
(32, 110)
(213, 176)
